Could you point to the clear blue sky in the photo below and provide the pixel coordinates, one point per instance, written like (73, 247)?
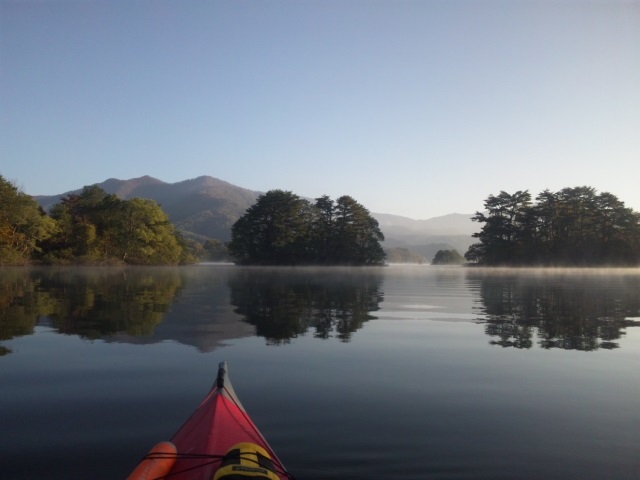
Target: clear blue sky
(416, 108)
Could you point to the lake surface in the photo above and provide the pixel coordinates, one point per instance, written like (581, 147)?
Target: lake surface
(414, 372)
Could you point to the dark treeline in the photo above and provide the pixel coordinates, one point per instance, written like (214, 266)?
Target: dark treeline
(90, 227)
(575, 226)
(283, 229)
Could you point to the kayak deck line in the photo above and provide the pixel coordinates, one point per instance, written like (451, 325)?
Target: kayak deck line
(218, 441)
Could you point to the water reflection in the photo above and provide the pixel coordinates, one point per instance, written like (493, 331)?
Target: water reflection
(20, 303)
(203, 307)
(90, 303)
(208, 306)
(571, 311)
(284, 303)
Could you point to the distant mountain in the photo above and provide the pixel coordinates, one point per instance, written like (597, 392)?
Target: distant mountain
(203, 206)
(208, 207)
(426, 237)
(452, 224)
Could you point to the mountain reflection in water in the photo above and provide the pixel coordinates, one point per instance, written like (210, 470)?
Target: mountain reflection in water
(351, 372)
(203, 307)
(572, 310)
(208, 306)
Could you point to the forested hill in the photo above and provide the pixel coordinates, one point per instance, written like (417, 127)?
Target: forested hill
(204, 206)
(208, 206)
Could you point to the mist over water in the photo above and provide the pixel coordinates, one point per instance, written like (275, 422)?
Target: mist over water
(383, 372)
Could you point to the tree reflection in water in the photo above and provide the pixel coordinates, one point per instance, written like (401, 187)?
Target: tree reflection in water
(89, 302)
(20, 304)
(284, 302)
(569, 311)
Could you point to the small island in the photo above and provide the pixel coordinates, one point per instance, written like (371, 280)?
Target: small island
(572, 227)
(447, 257)
(282, 228)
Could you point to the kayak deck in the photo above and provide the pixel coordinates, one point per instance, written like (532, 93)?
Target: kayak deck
(218, 441)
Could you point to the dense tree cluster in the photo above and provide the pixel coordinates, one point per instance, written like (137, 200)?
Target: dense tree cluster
(447, 257)
(90, 227)
(23, 225)
(96, 226)
(283, 229)
(575, 226)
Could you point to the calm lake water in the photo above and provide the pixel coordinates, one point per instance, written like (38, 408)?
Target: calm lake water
(399, 372)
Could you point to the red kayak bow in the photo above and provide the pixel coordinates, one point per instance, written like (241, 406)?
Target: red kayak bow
(218, 442)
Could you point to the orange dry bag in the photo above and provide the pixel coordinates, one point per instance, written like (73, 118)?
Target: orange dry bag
(158, 462)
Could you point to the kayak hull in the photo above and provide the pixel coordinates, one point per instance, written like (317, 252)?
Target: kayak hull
(216, 428)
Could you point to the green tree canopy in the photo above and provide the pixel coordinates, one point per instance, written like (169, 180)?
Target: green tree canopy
(357, 234)
(272, 231)
(283, 229)
(447, 257)
(97, 227)
(23, 224)
(575, 226)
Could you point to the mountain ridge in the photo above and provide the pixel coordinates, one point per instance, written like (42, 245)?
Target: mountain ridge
(202, 206)
(206, 206)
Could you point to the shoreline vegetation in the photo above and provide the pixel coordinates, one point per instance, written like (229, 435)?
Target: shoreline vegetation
(90, 228)
(574, 227)
(100, 229)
